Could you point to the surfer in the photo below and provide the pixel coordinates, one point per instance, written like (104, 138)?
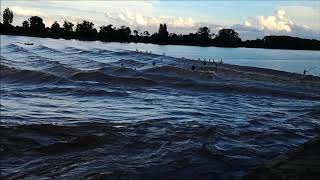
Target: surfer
(204, 63)
(193, 67)
(305, 72)
(154, 64)
(221, 62)
(122, 65)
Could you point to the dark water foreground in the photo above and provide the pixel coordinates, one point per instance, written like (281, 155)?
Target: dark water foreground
(75, 112)
(300, 163)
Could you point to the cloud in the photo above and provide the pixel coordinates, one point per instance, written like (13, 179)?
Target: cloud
(138, 19)
(278, 24)
(304, 15)
(151, 23)
(27, 12)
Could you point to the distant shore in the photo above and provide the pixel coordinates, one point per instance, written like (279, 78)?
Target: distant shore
(157, 43)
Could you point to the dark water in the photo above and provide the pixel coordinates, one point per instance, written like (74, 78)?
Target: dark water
(69, 110)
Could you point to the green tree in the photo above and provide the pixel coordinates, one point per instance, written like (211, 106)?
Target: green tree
(7, 16)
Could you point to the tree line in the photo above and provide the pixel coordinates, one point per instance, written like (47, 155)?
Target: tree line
(86, 30)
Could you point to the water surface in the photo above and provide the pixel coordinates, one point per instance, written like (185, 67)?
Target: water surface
(74, 109)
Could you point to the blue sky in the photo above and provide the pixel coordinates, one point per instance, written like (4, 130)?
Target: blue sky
(252, 19)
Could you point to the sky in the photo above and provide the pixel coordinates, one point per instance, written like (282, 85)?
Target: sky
(252, 19)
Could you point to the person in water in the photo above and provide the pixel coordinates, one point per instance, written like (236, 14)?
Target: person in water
(221, 62)
(305, 72)
(153, 64)
(193, 67)
(122, 65)
(204, 63)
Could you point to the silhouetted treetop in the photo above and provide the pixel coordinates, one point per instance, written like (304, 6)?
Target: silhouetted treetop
(125, 32)
(7, 16)
(25, 24)
(163, 32)
(228, 37)
(55, 28)
(135, 32)
(146, 33)
(85, 27)
(36, 24)
(203, 33)
(68, 27)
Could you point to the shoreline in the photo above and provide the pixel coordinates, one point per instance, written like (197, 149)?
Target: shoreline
(164, 44)
(302, 162)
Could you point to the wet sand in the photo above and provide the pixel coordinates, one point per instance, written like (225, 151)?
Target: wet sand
(300, 163)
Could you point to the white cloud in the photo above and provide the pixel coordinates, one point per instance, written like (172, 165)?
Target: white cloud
(281, 14)
(27, 12)
(247, 23)
(274, 23)
(278, 24)
(137, 19)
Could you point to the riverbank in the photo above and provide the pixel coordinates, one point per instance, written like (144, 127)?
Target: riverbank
(301, 163)
(293, 43)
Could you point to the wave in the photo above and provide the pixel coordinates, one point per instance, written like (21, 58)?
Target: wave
(13, 75)
(154, 143)
(130, 63)
(47, 49)
(98, 76)
(254, 90)
(181, 72)
(101, 51)
(55, 138)
(79, 91)
(73, 49)
(16, 49)
(166, 76)
(59, 69)
(122, 53)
